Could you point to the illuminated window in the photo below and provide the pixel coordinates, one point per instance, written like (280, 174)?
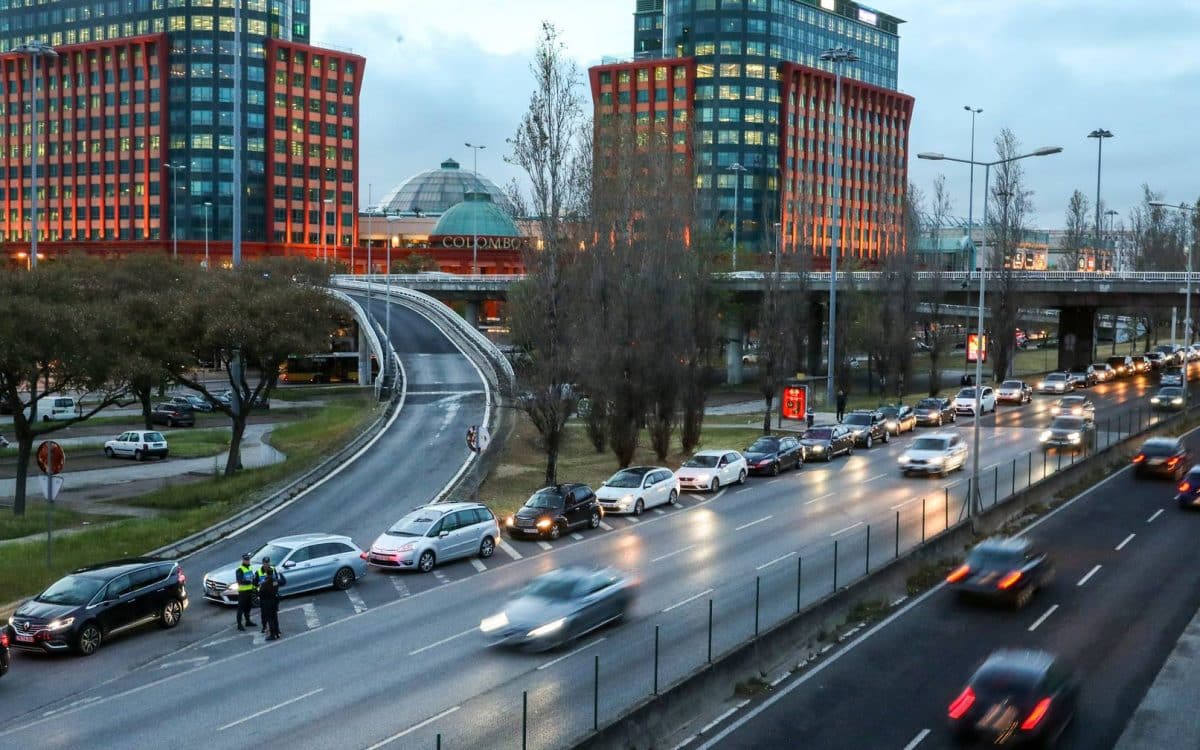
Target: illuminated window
(731, 70)
(177, 23)
(202, 23)
(705, 48)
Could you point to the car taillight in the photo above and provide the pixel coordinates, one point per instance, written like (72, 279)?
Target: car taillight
(1184, 487)
(1172, 461)
(362, 555)
(3, 639)
(1007, 581)
(962, 703)
(958, 574)
(182, 576)
(1139, 458)
(1036, 715)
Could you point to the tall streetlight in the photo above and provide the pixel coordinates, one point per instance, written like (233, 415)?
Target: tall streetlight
(1187, 313)
(971, 186)
(839, 56)
(1099, 134)
(175, 207)
(979, 348)
(35, 51)
(207, 209)
(475, 149)
(737, 170)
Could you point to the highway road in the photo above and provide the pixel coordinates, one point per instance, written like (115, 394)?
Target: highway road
(398, 658)
(1125, 588)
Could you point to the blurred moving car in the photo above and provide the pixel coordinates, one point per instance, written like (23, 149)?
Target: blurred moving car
(964, 402)
(899, 418)
(1104, 372)
(308, 562)
(939, 453)
(1140, 364)
(138, 445)
(1169, 398)
(711, 470)
(1074, 406)
(1162, 457)
(1158, 360)
(173, 415)
(637, 488)
(1056, 382)
(1187, 494)
(1017, 696)
(90, 605)
(771, 454)
(1069, 433)
(1009, 570)
(551, 511)
(1171, 376)
(1122, 366)
(435, 534)
(1014, 392)
(935, 411)
(1083, 376)
(823, 442)
(560, 606)
(867, 427)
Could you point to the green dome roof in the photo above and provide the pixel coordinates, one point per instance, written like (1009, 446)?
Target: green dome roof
(477, 214)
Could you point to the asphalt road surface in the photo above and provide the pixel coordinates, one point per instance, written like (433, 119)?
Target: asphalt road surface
(398, 658)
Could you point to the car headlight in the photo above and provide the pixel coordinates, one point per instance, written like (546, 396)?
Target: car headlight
(1077, 411)
(1177, 400)
(817, 448)
(509, 522)
(764, 462)
(904, 460)
(547, 629)
(701, 478)
(1154, 400)
(544, 523)
(937, 460)
(626, 500)
(1046, 435)
(493, 623)
(60, 624)
(1042, 384)
(1073, 437)
(233, 587)
(407, 547)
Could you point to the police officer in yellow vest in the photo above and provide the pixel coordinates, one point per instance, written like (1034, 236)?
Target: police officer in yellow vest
(247, 580)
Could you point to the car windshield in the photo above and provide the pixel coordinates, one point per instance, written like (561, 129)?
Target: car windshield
(274, 551)
(967, 393)
(929, 403)
(701, 462)
(1072, 401)
(890, 412)
(72, 590)
(818, 434)
(627, 479)
(552, 587)
(929, 444)
(764, 445)
(1056, 376)
(1011, 384)
(857, 419)
(544, 499)
(1004, 682)
(993, 558)
(1066, 423)
(415, 524)
(1156, 448)
(1170, 392)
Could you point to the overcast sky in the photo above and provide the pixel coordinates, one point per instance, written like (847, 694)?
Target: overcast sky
(443, 72)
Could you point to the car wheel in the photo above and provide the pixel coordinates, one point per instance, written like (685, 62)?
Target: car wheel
(88, 639)
(887, 437)
(487, 547)
(555, 531)
(939, 422)
(594, 521)
(139, 456)
(426, 562)
(714, 485)
(742, 477)
(171, 614)
(1024, 596)
(869, 443)
(343, 579)
(673, 498)
(109, 453)
(775, 469)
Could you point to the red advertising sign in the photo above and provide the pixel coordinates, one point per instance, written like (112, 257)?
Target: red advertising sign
(794, 401)
(976, 348)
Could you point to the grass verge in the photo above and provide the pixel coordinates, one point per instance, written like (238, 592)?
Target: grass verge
(15, 527)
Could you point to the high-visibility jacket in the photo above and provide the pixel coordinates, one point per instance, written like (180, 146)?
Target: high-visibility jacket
(245, 578)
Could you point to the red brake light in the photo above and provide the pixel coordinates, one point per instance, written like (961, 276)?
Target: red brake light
(1036, 715)
(962, 703)
(958, 574)
(182, 576)
(1008, 580)
(1172, 460)
(362, 555)
(1139, 458)
(3, 639)
(1184, 487)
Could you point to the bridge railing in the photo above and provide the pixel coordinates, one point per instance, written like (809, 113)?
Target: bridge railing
(435, 279)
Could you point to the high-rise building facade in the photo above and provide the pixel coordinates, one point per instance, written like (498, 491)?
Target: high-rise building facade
(763, 100)
(136, 126)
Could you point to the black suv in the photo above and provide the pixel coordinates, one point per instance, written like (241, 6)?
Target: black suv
(552, 510)
(91, 604)
(868, 427)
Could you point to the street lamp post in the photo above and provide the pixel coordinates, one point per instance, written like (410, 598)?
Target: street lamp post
(175, 207)
(35, 51)
(207, 209)
(1187, 310)
(838, 56)
(737, 170)
(972, 507)
(1099, 134)
(475, 149)
(971, 187)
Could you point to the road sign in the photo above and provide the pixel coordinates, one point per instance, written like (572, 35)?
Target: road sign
(50, 457)
(794, 401)
(51, 485)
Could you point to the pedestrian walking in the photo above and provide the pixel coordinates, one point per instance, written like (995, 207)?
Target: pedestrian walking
(841, 404)
(245, 576)
(270, 580)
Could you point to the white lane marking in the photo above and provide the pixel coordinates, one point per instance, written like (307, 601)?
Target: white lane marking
(477, 564)
(921, 735)
(197, 660)
(748, 525)
(76, 704)
(577, 536)
(854, 525)
(775, 682)
(659, 511)
(1155, 515)
(257, 714)
(508, 549)
(633, 519)
(413, 728)
(773, 481)
(1124, 541)
(906, 502)
(872, 479)
(219, 641)
(357, 600)
(672, 554)
(744, 489)
(311, 619)
(259, 638)
(545, 545)
(817, 499)
(569, 654)
(605, 526)
(772, 562)
(724, 715)
(1088, 576)
(1042, 619)
(398, 584)
(444, 641)
(689, 599)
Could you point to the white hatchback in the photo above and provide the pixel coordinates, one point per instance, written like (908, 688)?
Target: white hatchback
(638, 488)
(137, 444)
(964, 402)
(711, 470)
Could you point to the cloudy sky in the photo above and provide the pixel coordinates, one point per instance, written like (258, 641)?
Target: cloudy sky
(443, 72)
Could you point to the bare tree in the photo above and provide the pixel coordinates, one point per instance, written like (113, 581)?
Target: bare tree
(701, 301)
(933, 321)
(1076, 236)
(1011, 207)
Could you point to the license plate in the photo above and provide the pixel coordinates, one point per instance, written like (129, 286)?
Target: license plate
(1154, 462)
(25, 638)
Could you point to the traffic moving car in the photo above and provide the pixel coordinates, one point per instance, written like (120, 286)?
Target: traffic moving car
(1187, 494)
(637, 488)
(964, 402)
(866, 427)
(1169, 353)
(1014, 392)
(1140, 364)
(5, 658)
(173, 415)
(138, 445)
(1018, 697)
(1171, 376)
(935, 411)
(1074, 406)
(1157, 361)
(1169, 398)
(1104, 372)
(1122, 366)
(823, 442)
(1082, 377)
(1162, 457)
(308, 562)
(899, 418)
(711, 470)
(1008, 570)
(553, 510)
(1056, 382)
(771, 454)
(939, 453)
(89, 605)
(435, 534)
(1069, 433)
(560, 606)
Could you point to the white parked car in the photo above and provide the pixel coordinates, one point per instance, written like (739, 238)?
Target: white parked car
(137, 444)
(711, 470)
(1056, 382)
(964, 402)
(638, 488)
(939, 453)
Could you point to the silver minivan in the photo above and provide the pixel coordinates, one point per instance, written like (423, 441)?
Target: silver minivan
(436, 533)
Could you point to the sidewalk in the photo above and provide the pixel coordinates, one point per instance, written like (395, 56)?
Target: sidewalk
(1166, 717)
